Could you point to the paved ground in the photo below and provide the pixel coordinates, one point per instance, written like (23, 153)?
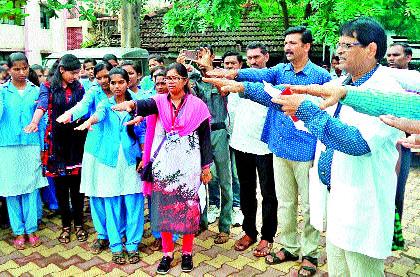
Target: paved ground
(74, 259)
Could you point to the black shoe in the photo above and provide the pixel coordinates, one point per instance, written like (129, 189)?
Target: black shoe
(187, 263)
(164, 265)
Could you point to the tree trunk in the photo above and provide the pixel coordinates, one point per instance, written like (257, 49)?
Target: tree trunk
(308, 10)
(130, 23)
(285, 11)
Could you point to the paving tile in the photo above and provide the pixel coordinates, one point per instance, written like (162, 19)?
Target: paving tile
(413, 252)
(249, 271)
(259, 264)
(8, 265)
(75, 258)
(218, 261)
(398, 269)
(12, 256)
(153, 258)
(285, 267)
(270, 272)
(240, 262)
(66, 263)
(198, 258)
(43, 271)
(30, 258)
(226, 270)
(71, 271)
(203, 270)
(90, 263)
(131, 268)
(208, 243)
(94, 271)
(6, 248)
(23, 269)
(116, 272)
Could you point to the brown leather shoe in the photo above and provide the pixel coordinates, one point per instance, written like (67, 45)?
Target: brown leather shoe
(244, 243)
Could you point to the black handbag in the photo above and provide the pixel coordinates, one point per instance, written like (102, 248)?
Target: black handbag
(146, 174)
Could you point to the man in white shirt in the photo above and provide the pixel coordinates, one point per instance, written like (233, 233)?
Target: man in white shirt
(355, 159)
(252, 156)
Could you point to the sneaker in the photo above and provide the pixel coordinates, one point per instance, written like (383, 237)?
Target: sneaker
(187, 263)
(213, 212)
(237, 217)
(164, 265)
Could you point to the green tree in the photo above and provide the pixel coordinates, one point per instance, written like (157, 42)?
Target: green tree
(323, 16)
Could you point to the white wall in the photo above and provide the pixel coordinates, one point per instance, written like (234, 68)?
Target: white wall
(12, 38)
(31, 38)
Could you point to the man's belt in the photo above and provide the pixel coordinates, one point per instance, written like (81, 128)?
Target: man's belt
(218, 126)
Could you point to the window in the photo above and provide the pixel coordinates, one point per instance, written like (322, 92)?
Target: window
(45, 17)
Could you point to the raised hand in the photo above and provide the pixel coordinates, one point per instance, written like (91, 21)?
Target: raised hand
(64, 118)
(31, 128)
(127, 106)
(412, 142)
(205, 60)
(181, 58)
(135, 121)
(290, 103)
(84, 126)
(331, 93)
(404, 124)
(222, 73)
(225, 86)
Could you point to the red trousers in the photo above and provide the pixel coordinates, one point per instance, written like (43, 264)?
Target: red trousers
(168, 244)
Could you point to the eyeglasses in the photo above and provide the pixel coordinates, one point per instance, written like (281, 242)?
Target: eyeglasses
(173, 78)
(347, 46)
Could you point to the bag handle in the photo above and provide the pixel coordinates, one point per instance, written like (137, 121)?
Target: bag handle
(158, 149)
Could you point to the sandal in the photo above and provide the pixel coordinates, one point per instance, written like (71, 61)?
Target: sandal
(133, 257)
(19, 242)
(311, 269)
(118, 258)
(263, 249)
(272, 258)
(156, 245)
(81, 234)
(34, 240)
(244, 243)
(221, 238)
(99, 245)
(64, 237)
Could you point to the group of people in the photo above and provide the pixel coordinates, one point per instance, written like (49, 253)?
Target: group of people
(120, 138)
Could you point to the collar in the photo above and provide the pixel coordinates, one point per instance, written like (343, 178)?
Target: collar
(306, 70)
(168, 96)
(10, 87)
(365, 77)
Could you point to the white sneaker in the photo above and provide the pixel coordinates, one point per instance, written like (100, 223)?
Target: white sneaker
(213, 212)
(237, 217)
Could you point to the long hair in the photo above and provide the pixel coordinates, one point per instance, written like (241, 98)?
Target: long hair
(68, 62)
(127, 96)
